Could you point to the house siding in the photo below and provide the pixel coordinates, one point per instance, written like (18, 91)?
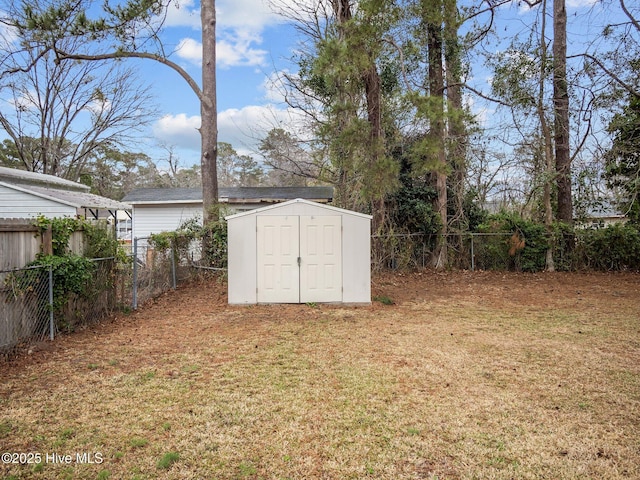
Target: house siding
(18, 204)
(149, 219)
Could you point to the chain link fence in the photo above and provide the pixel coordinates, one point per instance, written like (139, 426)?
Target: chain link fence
(469, 251)
(31, 310)
(26, 306)
(511, 251)
(154, 271)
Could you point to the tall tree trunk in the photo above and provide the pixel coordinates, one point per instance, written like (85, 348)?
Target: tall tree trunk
(561, 110)
(549, 173)
(437, 128)
(209, 114)
(457, 136)
(342, 12)
(373, 93)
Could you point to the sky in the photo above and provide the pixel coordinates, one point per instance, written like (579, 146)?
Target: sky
(252, 44)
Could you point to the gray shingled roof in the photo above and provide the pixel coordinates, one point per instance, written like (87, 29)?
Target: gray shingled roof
(229, 194)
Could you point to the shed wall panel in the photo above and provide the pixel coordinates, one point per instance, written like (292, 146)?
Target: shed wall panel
(356, 260)
(242, 256)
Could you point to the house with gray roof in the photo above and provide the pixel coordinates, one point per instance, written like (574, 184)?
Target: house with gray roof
(26, 194)
(158, 210)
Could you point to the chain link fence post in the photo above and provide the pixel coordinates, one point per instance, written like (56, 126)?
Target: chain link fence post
(473, 256)
(134, 299)
(51, 319)
(173, 265)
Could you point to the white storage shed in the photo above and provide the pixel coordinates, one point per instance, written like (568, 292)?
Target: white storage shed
(299, 252)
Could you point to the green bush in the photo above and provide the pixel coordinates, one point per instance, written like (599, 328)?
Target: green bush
(519, 244)
(62, 229)
(216, 243)
(72, 275)
(212, 235)
(100, 241)
(616, 247)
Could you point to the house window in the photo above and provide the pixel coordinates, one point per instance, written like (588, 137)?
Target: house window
(124, 229)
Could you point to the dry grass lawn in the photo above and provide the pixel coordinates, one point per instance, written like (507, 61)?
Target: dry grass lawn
(466, 376)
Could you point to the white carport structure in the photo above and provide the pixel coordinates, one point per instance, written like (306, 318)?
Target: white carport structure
(299, 252)
(29, 194)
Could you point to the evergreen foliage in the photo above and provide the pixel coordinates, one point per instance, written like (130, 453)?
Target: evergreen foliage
(523, 243)
(616, 247)
(623, 159)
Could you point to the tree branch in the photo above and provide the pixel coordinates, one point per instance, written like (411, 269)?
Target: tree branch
(616, 78)
(628, 14)
(151, 56)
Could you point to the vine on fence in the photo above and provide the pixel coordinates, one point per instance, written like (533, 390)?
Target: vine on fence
(73, 274)
(213, 236)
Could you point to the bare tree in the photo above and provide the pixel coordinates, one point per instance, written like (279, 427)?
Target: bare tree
(132, 30)
(288, 162)
(59, 113)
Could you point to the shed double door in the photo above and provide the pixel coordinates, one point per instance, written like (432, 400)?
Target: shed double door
(299, 259)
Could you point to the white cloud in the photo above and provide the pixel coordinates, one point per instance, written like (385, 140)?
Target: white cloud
(231, 50)
(273, 86)
(251, 15)
(190, 50)
(243, 128)
(238, 30)
(245, 14)
(179, 130)
(581, 3)
(99, 106)
(237, 50)
(183, 13)
(8, 35)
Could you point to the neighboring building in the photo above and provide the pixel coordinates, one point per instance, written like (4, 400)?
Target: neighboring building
(603, 215)
(158, 210)
(26, 194)
(299, 252)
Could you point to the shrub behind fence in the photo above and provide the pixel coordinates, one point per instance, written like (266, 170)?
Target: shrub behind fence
(612, 249)
(29, 311)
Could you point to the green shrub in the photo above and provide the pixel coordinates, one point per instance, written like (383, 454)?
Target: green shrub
(519, 244)
(72, 274)
(616, 247)
(100, 241)
(213, 237)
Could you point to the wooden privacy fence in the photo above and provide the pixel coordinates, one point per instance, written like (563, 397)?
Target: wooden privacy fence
(21, 241)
